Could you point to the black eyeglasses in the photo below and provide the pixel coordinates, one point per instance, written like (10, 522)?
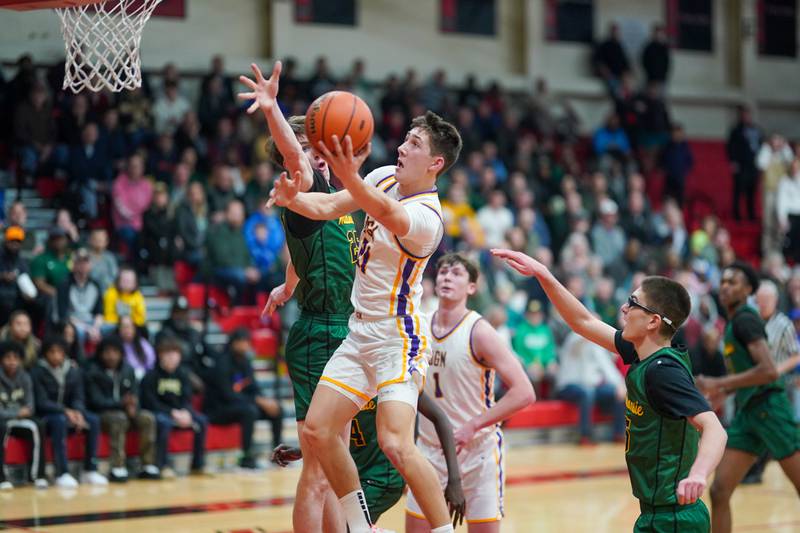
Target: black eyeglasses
(633, 302)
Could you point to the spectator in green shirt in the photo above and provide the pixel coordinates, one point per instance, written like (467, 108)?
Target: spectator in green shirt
(50, 268)
(227, 257)
(535, 345)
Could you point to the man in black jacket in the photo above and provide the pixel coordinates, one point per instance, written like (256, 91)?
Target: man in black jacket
(111, 392)
(58, 389)
(610, 60)
(656, 57)
(744, 142)
(166, 392)
(233, 396)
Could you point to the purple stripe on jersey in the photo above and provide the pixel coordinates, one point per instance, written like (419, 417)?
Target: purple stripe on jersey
(389, 188)
(487, 388)
(438, 214)
(417, 194)
(402, 296)
(500, 469)
(384, 179)
(408, 325)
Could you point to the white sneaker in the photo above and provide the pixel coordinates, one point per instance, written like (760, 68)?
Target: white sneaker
(168, 473)
(6, 485)
(93, 478)
(66, 481)
(41, 483)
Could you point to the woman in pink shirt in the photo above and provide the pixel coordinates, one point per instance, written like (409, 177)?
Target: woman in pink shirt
(131, 196)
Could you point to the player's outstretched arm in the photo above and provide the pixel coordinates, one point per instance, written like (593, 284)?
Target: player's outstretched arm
(314, 205)
(709, 453)
(490, 351)
(453, 493)
(265, 94)
(387, 211)
(570, 308)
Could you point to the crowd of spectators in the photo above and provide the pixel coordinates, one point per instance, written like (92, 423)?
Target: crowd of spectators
(160, 175)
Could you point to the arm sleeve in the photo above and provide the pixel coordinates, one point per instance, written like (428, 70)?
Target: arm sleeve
(138, 309)
(625, 348)
(425, 229)
(747, 327)
(671, 391)
(110, 306)
(78, 397)
(299, 225)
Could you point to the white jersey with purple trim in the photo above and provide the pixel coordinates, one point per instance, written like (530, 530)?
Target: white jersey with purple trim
(460, 385)
(389, 268)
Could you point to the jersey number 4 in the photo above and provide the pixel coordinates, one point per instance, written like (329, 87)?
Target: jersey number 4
(356, 436)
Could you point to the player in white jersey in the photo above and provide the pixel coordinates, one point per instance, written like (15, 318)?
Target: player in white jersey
(467, 352)
(385, 351)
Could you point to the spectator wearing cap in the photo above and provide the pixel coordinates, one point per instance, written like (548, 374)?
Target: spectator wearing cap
(535, 345)
(79, 300)
(16, 287)
(50, 268)
(131, 195)
(158, 235)
(608, 239)
(587, 377)
(234, 396)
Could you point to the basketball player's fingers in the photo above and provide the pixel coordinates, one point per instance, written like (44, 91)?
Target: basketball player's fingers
(276, 71)
(322, 148)
(246, 96)
(515, 265)
(252, 108)
(270, 202)
(247, 81)
(257, 72)
(337, 146)
(348, 147)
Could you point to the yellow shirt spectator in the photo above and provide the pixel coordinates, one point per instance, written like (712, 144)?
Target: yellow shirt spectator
(124, 299)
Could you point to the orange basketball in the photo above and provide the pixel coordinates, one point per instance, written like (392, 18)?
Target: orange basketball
(339, 113)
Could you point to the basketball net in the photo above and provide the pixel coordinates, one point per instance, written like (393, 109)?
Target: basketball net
(102, 44)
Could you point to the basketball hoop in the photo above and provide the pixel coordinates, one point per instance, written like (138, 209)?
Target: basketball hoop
(101, 39)
(102, 44)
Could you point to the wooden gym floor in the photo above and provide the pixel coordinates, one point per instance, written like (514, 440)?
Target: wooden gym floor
(550, 488)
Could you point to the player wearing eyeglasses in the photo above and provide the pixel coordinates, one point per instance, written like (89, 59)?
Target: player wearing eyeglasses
(673, 440)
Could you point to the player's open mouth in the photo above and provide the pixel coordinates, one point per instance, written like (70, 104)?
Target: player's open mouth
(399, 164)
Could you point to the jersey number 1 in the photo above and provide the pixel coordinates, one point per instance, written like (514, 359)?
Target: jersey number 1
(436, 382)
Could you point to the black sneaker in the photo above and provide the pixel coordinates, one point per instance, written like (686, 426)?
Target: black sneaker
(248, 462)
(150, 472)
(118, 475)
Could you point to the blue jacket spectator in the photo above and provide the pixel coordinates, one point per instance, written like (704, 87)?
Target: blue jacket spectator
(264, 236)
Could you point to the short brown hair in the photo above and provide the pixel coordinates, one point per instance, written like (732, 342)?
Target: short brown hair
(298, 125)
(169, 345)
(456, 258)
(444, 138)
(670, 299)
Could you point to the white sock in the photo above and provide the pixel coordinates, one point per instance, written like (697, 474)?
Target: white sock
(356, 512)
(447, 528)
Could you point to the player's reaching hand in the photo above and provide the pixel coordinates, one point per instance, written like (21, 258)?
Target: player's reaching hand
(264, 92)
(454, 496)
(285, 189)
(277, 297)
(282, 455)
(463, 435)
(690, 489)
(341, 160)
(524, 264)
